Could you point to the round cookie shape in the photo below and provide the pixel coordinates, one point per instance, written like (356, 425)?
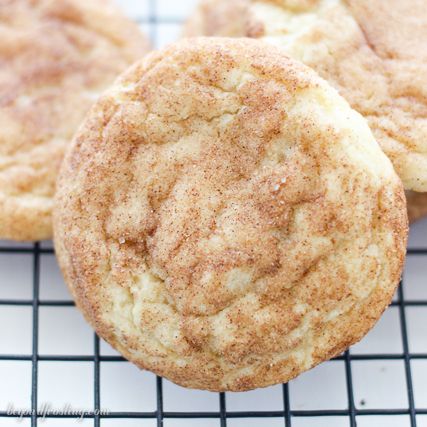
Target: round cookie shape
(372, 51)
(225, 219)
(56, 57)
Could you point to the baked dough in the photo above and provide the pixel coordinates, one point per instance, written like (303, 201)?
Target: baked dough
(373, 51)
(56, 57)
(226, 220)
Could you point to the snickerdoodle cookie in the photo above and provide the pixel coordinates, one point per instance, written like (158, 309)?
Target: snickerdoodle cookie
(225, 219)
(373, 51)
(56, 57)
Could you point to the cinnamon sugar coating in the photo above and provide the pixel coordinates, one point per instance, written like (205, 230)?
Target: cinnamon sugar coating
(373, 51)
(226, 220)
(56, 57)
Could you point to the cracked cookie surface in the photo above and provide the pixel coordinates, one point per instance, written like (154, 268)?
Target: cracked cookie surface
(372, 51)
(225, 219)
(56, 57)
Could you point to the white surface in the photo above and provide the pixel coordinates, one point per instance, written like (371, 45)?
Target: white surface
(419, 372)
(63, 383)
(379, 384)
(126, 388)
(393, 421)
(62, 331)
(15, 384)
(321, 422)
(320, 389)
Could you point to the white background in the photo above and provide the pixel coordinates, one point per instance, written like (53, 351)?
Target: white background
(62, 331)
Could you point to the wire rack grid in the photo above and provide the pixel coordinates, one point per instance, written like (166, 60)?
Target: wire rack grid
(355, 407)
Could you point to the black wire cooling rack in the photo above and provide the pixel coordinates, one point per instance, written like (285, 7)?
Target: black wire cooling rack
(223, 416)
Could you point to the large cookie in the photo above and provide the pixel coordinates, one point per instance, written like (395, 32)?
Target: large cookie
(226, 220)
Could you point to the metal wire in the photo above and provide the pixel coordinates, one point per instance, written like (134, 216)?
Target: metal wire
(287, 414)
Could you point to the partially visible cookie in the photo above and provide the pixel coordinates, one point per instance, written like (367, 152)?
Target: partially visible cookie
(226, 220)
(56, 57)
(373, 51)
(417, 205)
